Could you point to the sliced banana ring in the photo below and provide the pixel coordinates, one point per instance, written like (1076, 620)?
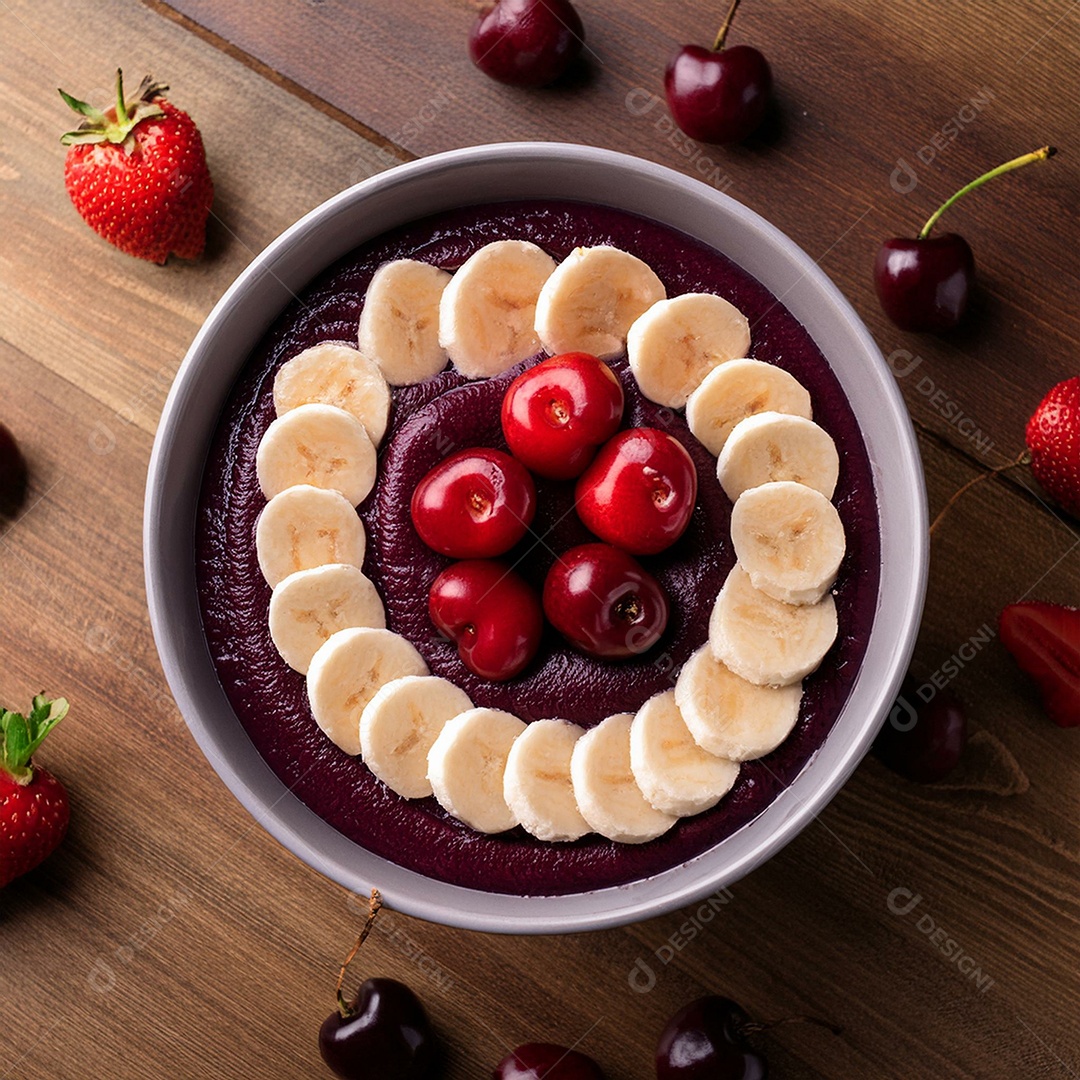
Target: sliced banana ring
(399, 323)
(766, 641)
(303, 527)
(789, 539)
(607, 793)
(592, 299)
(777, 446)
(399, 725)
(537, 784)
(347, 672)
(674, 773)
(320, 445)
(466, 765)
(309, 606)
(729, 716)
(677, 342)
(335, 374)
(487, 312)
(738, 389)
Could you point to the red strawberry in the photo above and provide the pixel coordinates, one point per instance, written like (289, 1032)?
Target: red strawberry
(1053, 437)
(137, 174)
(33, 804)
(1045, 641)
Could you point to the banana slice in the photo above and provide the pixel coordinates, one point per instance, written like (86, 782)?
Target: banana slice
(768, 642)
(729, 716)
(777, 446)
(466, 765)
(309, 606)
(607, 793)
(592, 299)
(738, 389)
(677, 342)
(320, 445)
(399, 323)
(487, 311)
(789, 539)
(347, 672)
(399, 725)
(674, 773)
(537, 784)
(335, 374)
(304, 526)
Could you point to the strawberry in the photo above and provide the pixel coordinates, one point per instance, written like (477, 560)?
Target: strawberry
(1053, 437)
(137, 174)
(33, 804)
(1045, 641)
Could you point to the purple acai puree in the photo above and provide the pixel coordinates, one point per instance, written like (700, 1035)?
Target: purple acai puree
(447, 413)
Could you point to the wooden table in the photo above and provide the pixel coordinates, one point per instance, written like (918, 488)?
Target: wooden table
(170, 936)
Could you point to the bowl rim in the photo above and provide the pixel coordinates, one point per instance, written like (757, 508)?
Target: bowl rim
(175, 464)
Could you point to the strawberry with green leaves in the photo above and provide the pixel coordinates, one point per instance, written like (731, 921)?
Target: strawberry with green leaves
(137, 174)
(33, 803)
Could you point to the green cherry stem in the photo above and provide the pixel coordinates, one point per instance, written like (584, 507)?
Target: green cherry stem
(346, 1008)
(722, 33)
(1041, 154)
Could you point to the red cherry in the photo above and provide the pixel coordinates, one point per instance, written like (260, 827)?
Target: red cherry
(492, 614)
(546, 1061)
(13, 476)
(557, 413)
(639, 492)
(924, 284)
(718, 95)
(475, 504)
(604, 602)
(923, 740)
(706, 1040)
(526, 42)
(386, 1035)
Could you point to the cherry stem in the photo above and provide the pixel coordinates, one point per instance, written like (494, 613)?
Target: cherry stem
(1041, 154)
(722, 33)
(1023, 459)
(755, 1027)
(348, 1009)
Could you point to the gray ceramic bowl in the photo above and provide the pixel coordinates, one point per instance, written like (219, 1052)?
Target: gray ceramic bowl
(494, 173)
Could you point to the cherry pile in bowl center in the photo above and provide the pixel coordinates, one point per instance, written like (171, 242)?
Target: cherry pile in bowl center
(635, 491)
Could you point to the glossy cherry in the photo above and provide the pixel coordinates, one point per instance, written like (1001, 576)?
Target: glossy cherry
(13, 476)
(475, 504)
(706, 1040)
(604, 602)
(526, 42)
(492, 614)
(639, 491)
(718, 95)
(387, 1036)
(923, 739)
(556, 414)
(546, 1061)
(924, 284)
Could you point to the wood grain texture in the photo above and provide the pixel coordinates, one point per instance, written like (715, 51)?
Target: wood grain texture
(172, 934)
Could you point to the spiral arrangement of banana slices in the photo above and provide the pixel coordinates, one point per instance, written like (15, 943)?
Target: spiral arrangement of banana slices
(632, 776)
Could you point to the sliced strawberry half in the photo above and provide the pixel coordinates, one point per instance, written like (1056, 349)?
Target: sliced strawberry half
(1044, 639)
